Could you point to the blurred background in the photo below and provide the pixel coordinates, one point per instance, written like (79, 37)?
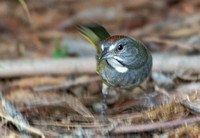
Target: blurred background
(31, 32)
(47, 69)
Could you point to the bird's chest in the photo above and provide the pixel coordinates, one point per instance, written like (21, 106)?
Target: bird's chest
(116, 75)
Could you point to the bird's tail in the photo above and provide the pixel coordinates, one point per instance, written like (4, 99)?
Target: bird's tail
(94, 33)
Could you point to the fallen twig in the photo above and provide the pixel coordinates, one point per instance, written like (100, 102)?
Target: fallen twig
(174, 63)
(189, 102)
(66, 84)
(11, 68)
(156, 125)
(88, 65)
(191, 106)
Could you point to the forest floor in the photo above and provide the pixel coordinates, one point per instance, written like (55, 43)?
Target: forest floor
(48, 81)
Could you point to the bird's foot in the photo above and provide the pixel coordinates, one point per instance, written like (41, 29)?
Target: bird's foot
(103, 117)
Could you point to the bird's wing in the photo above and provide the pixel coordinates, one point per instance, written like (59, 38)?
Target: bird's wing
(94, 33)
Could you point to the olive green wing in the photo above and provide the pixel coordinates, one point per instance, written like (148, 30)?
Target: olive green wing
(95, 34)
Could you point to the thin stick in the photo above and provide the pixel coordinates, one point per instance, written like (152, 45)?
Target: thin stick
(68, 66)
(157, 125)
(68, 125)
(11, 68)
(65, 84)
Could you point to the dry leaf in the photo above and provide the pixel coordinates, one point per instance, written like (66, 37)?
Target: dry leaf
(76, 105)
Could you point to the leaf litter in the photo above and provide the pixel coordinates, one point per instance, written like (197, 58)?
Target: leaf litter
(54, 105)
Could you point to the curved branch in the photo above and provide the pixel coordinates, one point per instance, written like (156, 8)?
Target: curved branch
(156, 125)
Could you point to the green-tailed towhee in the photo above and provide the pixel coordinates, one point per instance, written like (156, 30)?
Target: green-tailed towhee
(122, 62)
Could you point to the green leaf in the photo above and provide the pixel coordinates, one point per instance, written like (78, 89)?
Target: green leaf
(59, 51)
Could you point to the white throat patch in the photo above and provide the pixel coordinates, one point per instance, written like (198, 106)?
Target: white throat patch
(117, 66)
(102, 47)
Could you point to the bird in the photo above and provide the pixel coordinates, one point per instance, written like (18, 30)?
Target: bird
(122, 62)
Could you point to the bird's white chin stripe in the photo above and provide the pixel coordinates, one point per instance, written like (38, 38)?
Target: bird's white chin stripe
(117, 66)
(122, 69)
(118, 58)
(102, 47)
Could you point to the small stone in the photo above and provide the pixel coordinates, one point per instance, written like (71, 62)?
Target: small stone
(97, 107)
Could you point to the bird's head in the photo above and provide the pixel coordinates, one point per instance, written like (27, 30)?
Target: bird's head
(126, 51)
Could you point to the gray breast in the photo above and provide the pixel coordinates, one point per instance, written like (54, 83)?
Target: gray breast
(128, 79)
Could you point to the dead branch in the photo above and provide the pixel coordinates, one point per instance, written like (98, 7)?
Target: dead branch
(66, 84)
(161, 62)
(156, 125)
(173, 63)
(66, 66)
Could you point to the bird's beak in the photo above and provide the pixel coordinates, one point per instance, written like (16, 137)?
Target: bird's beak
(106, 55)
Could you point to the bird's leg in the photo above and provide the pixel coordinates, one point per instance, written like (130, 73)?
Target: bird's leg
(103, 117)
(143, 86)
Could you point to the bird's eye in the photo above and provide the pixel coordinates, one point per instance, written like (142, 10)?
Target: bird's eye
(120, 47)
